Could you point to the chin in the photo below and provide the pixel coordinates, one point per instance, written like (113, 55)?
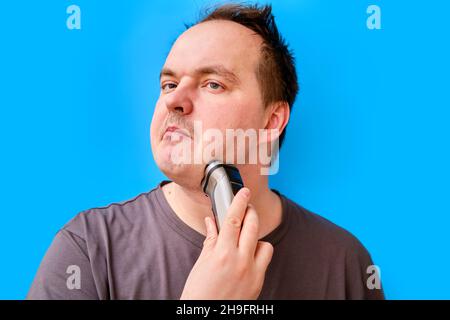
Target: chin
(185, 175)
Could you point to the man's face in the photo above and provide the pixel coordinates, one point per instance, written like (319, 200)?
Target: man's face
(209, 77)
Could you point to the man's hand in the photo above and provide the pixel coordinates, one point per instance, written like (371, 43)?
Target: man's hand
(232, 264)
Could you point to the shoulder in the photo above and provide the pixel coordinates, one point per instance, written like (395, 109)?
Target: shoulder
(319, 231)
(118, 216)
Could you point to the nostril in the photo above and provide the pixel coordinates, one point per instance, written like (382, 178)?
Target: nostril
(179, 109)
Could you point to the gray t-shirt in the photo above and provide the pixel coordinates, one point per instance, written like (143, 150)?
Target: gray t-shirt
(140, 249)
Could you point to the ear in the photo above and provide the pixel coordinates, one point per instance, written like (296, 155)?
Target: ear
(277, 117)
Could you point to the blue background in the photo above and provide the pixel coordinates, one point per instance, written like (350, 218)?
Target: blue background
(367, 145)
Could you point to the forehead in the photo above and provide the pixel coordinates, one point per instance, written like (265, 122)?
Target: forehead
(216, 42)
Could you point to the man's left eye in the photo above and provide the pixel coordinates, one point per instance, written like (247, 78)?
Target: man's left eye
(214, 85)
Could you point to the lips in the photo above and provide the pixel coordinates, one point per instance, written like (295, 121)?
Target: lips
(176, 130)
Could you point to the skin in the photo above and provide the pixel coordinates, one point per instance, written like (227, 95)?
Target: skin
(234, 259)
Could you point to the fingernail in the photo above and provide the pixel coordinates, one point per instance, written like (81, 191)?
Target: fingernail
(246, 192)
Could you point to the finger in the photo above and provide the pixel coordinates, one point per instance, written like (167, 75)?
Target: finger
(229, 233)
(248, 238)
(263, 254)
(211, 233)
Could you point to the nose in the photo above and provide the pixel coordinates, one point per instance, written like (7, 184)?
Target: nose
(179, 100)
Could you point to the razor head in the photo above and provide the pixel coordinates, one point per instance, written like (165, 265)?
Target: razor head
(213, 174)
(221, 183)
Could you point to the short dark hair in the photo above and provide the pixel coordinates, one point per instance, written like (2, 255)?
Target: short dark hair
(276, 71)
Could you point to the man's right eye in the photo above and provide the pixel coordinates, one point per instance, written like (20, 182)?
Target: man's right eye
(168, 86)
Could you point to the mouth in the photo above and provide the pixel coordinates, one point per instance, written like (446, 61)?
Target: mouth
(175, 132)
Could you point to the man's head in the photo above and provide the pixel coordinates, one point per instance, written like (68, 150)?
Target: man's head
(231, 70)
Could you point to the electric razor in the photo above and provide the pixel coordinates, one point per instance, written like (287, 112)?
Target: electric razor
(221, 183)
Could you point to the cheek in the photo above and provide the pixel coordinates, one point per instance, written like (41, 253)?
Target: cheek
(159, 148)
(157, 121)
(243, 116)
(231, 111)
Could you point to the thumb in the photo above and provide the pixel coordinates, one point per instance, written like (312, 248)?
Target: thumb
(211, 233)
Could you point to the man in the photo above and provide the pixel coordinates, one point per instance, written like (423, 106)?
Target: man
(232, 70)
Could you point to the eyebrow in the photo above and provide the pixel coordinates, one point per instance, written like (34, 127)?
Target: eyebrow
(219, 70)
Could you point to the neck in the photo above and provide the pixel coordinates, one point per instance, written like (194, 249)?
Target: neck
(192, 206)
